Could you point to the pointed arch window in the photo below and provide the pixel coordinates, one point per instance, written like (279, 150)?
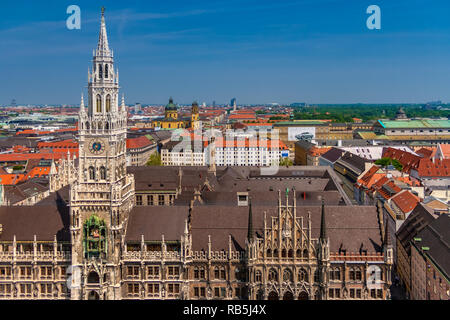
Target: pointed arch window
(273, 275)
(302, 275)
(103, 173)
(108, 102)
(100, 71)
(290, 253)
(106, 71)
(258, 276)
(91, 173)
(99, 103)
(287, 275)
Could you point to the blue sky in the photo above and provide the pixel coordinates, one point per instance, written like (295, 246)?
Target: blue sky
(315, 51)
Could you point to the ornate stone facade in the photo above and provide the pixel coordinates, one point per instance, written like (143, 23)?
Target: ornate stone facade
(89, 240)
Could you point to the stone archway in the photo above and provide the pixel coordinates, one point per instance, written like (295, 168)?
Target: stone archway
(303, 296)
(288, 296)
(260, 295)
(273, 296)
(93, 295)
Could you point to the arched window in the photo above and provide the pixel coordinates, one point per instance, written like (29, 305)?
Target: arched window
(275, 253)
(305, 253)
(298, 253)
(107, 125)
(103, 173)
(216, 273)
(358, 274)
(99, 103)
(108, 102)
(287, 275)
(303, 275)
(290, 253)
(269, 253)
(91, 173)
(273, 275)
(100, 71)
(283, 253)
(258, 276)
(337, 274)
(106, 71)
(87, 125)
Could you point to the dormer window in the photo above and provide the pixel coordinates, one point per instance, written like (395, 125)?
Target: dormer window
(242, 198)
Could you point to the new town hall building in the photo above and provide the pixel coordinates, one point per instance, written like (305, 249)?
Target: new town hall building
(108, 231)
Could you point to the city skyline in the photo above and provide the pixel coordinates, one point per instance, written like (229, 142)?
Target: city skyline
(313, 51)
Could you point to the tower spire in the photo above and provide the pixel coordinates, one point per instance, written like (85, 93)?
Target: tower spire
(82, 103)
(103, 46)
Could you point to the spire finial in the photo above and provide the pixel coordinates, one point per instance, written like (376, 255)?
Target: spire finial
(323, 229)
(82, 102)
(103, 46)
(250, 232)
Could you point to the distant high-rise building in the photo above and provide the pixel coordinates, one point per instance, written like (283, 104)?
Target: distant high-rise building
(13, 103)
(214, 103)
(137, 107)
(233, 103)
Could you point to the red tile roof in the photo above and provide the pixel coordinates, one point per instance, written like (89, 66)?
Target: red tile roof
(27, 156)
(425, 152)
(65, 144)
(408, 160)
(252, 143)
(140, 142)
(445, 150)
(37, 172)
(434, 168)
(11, 178)
(405, 201)
(245, 116)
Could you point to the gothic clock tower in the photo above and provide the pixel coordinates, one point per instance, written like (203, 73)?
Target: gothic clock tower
(103, 194)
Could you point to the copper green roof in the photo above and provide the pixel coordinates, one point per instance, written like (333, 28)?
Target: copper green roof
(171, 105)
(424, 123)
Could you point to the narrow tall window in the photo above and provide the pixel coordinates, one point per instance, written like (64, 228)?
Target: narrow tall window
(103, 173)
(99, 103)
(91, 173)
(108, 102)
(100, 71)
(106, 71)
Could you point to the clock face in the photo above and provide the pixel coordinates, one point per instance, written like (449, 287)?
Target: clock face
(96, 147)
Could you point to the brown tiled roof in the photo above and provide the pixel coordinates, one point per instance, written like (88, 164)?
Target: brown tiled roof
(43, 221)
(333, 154)
(420, 217)
(436, 237)
(153, 222)
(349, 227)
